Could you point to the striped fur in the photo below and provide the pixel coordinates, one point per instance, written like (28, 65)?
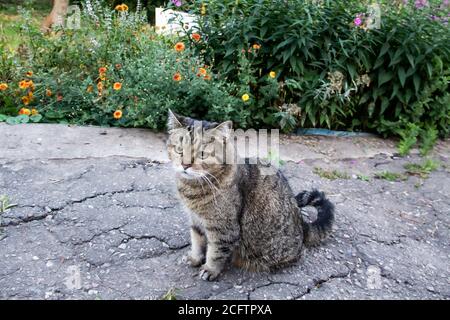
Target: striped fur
(240, 215)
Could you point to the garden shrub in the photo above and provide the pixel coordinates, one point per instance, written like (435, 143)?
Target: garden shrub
(268, 63)
(333, 71)
(113, 71)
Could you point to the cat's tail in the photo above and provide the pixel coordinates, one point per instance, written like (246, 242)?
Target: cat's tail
(318, 230)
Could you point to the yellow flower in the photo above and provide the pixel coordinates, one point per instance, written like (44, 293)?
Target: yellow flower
(89, 89)
(34, 112)
(30, 95)
(26, 100)
(272, 74)
(29, 73)
(117, 86)
(25, 111)
(3, 86)
(245, 97)
(203, 10)
(256, 46)
(117, 114)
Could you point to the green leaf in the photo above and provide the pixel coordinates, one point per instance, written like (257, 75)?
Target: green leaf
(402, 76)
(384, 77)
(3, 117)
(384, 49)
(23, 118)
(397, 57)
(410, 59)
(12, 121)
(416, 80)
(384, 104)
(36, 118)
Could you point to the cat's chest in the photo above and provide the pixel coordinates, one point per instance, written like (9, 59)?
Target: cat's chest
(200, 202)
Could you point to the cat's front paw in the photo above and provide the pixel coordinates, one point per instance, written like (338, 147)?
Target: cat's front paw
(208, 274)
(192, 261)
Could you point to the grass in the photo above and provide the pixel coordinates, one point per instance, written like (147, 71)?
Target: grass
(391, 176)
(5, 204)
(421, 170)
(363, 177)
(10, 19)
(170, 295)
(331, 175)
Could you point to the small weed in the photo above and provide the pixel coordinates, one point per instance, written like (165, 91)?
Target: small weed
(331, 175)
(363, 177)
(390, 176)
(170, 295)
(5, 204)
(421, 170)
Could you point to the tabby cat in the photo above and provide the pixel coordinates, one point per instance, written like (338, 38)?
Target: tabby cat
(239, 214)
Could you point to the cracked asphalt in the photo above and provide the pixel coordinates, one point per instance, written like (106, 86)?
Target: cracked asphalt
(99, 225)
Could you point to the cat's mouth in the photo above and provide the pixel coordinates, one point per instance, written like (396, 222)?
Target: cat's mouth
(190, 174)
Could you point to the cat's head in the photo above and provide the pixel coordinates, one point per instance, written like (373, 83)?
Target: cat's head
(198, 148)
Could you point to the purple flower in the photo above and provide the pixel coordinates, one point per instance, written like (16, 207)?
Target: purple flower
(421, 3)
(177, 3)
(445, 3)
(357, 21)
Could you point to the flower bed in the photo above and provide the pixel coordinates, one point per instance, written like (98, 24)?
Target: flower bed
(337, 64)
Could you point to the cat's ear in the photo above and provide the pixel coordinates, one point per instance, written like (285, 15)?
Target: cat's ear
(174, 121)
(225, 128)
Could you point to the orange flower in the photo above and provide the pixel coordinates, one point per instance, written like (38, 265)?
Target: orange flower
(3, 86)
(207, 77)
(34, 112)
(117, 114)
(23, 84)
(89, 89)
(26, 100)
(29, 73)
(121, 7)
(48, 92)
(102, 70)
(25, 111)
(256, 46)
(180, 46)
(196, 37)
(202, 71)
(117, 86)
(100, 86)
(177, 77)
(30, 95)
(118, 66)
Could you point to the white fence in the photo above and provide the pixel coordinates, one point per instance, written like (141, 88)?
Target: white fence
(170, 21)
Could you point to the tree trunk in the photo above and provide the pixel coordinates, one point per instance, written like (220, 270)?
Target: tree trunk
(56, 16)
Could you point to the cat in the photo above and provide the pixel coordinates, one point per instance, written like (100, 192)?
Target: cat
(239, 215)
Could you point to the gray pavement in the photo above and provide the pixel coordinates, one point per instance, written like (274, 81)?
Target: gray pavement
(97, 217)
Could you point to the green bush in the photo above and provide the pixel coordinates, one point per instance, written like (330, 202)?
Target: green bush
(65, 83)
(332, 72)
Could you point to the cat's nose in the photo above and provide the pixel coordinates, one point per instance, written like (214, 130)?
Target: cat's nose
(186, 166)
